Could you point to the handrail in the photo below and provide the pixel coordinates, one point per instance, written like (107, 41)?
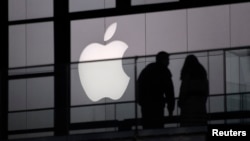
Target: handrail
(133, 121)
(133, 57)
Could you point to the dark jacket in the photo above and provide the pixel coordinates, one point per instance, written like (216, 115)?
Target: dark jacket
(155, 87)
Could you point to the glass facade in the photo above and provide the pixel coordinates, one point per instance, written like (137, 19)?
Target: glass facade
(217, 35)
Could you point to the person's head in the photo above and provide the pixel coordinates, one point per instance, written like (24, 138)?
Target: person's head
(162, 58)
(191, 61)
(193, 67)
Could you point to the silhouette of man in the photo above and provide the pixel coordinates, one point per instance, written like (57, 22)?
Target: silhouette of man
(155, 89)
(193, 93)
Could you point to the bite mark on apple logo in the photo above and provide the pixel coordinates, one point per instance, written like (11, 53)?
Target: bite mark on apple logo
(104, 79)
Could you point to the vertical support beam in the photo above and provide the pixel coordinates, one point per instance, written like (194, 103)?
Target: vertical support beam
(62, 71)
(4, 70)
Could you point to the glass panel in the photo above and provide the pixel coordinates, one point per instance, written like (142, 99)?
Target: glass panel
(17, 46)
(40, 43)
(131, 30)
(40, 119)
(208, 28)
(28, 44)
(175, 66)
(216, 73)
(217, 122)
(92, 113)
(125, 111)
(17, 10)
(166, 31)
(129, 94)
(232, 73)
(246, 102)
(244, 72)
(78, 95)
(234, 103)
(82, 114)
(17, 95)
(17, 121)
(110, 4)
(240, 31)
(40, 92)
(87, 5)
(34, 135)
(39, 8)
(79, 38)
(142, 2)
(216, 104)
(29, 9)
(103, 79)
(233, 121)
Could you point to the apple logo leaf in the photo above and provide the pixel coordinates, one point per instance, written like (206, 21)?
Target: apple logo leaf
(110, 31)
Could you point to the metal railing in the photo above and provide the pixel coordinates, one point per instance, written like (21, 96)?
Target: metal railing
(124, 114)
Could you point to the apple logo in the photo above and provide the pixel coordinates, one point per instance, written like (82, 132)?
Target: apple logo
(103, 79)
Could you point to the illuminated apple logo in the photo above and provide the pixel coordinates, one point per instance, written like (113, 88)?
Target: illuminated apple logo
(102, 79)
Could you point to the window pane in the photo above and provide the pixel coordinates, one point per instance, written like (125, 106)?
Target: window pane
(244, 72)
(125, 111)
(246, 102)
(40, 92)
(130, 30)
(40, 119)
(17, 95)
(17, 121)
(142, 2)
(90, 114)
(31, 44)
(216, 104)
(86, 5)
(40, 43)
(240, 31)
(17, 10)
(216, 73)
(166, 31)
(30, 9)
(208, 28)
(232, 73)
(175, 66)
(233, 103)
(17, 46)
(39, 8)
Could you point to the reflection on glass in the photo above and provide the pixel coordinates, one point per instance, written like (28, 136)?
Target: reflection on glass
(246, 102)
(125, 111)
(238, 79)
(216, 104)
(233, 103)
(216, 73)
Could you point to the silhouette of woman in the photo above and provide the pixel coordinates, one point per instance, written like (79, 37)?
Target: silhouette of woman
(193, 93)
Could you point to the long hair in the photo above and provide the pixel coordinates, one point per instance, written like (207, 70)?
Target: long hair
(193, 68)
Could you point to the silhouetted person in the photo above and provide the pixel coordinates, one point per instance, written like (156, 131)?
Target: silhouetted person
(193, 93)
(155, 89)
